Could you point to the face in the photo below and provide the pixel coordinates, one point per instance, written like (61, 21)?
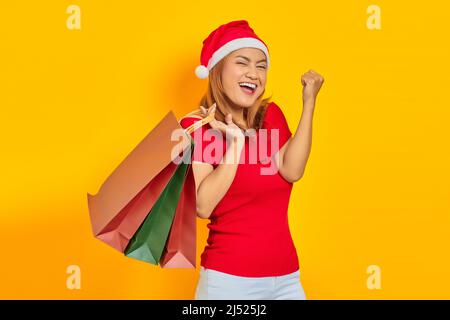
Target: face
(244, 76)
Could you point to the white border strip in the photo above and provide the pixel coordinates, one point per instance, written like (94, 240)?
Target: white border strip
(234, 45)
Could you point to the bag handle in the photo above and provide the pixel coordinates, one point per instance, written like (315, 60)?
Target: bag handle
(195, 113)
(197, 124)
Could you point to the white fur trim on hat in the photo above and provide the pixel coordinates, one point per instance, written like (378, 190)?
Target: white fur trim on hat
(236, 44)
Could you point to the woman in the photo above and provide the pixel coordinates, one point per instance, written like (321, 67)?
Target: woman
(250, 253)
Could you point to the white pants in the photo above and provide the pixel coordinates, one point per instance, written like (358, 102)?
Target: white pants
(216, 285)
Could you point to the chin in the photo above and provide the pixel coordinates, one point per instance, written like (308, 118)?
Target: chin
(246, 103)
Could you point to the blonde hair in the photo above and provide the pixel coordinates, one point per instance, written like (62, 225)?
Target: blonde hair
(253, 116)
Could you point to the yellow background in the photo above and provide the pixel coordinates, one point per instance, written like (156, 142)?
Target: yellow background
(75, 102)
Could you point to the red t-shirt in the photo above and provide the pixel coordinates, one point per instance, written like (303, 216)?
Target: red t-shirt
(249, 233)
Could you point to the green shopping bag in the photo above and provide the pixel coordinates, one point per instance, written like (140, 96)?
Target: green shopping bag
(149, 241)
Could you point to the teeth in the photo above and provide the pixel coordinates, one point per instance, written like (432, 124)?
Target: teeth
(248, 84)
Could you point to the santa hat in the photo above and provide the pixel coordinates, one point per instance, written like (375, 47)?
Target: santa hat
(224, 40)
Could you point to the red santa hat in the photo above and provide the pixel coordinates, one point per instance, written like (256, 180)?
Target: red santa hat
(224, 40)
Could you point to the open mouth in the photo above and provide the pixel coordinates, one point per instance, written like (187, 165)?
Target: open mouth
(248, 87)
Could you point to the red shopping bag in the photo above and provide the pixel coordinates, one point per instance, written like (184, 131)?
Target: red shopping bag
(180, 250)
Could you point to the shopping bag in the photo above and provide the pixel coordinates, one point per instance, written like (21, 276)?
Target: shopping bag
(128, 194)
(149, 241)
(180, 249)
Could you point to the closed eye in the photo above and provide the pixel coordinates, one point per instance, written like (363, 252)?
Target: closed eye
(262, 67)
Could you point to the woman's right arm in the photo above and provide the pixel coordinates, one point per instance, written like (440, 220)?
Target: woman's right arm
(212, 184)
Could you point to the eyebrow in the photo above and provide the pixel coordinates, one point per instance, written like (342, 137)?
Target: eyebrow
(263, 60)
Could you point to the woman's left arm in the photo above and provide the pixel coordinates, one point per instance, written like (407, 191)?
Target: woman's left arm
(294, 155)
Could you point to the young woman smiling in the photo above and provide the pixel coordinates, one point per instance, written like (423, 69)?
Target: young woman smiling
(250, 253)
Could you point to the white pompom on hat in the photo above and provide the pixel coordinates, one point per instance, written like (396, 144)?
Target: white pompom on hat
(201, 72)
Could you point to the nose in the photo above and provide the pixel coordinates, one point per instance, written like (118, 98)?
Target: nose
(252, 73)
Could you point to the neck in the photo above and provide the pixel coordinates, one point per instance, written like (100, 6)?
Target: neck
(238, 116)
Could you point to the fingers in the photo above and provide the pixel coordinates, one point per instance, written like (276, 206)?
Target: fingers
(229, 118)
(311, 77)
(212, 109)
(206, 112)
(215, 124)
(218, 125)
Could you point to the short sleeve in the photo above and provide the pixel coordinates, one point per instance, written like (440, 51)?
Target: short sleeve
(275, 119)
(208, 143)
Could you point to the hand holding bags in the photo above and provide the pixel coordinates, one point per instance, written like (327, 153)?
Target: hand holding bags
(146, 182)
